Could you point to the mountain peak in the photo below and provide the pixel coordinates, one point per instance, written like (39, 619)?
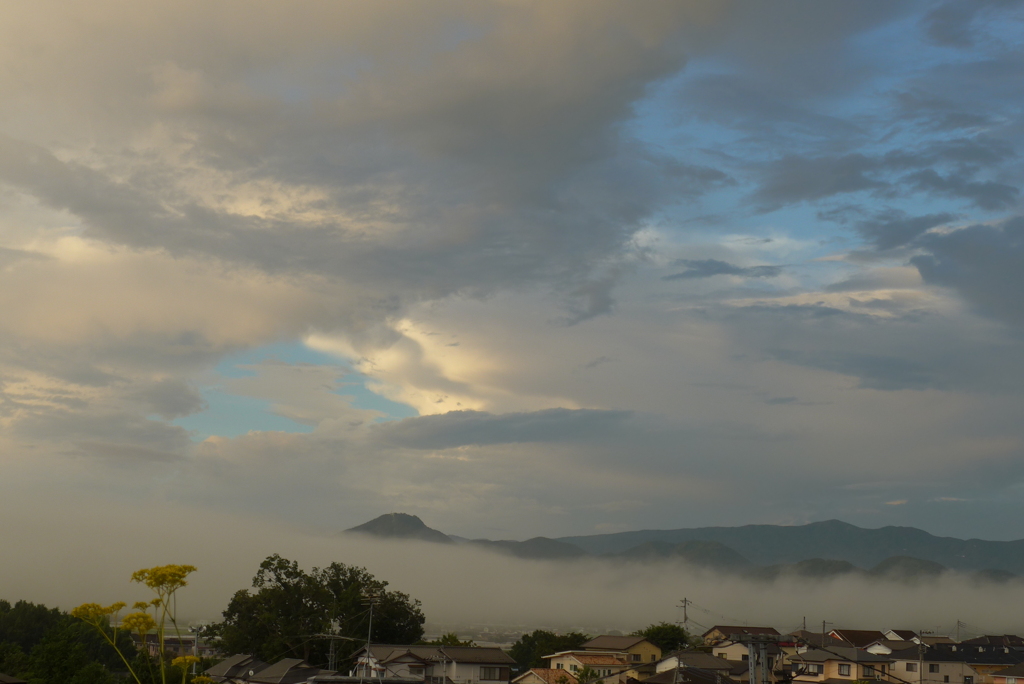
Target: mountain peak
(400, 526)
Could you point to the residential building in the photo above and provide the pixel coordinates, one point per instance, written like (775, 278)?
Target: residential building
(1010, 675)
(435, 664)
(235, 669)
(695, 659)
(638, 649)
(900, 634)
(688, 675)
(892, 646)
(610, 666)
(957, 664)
(805, 639)
(720, 633)
(839, 664)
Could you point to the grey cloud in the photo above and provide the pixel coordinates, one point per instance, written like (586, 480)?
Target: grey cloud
(985, 263)
(796, 179)
(984, 194)
(707, 268)
(952, 23)
(873, 371)
(895, 228)
(460, 428)
(169, 398)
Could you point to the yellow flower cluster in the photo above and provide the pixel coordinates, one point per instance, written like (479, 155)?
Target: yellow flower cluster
(140, 623)
(95, 614)
(164, 578)
(184, 661)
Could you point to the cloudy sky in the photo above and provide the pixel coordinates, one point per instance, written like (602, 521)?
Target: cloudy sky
(519, 268)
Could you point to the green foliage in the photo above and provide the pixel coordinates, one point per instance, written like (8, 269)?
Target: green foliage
(587, 675)
(45, 646)
(666, 636)
(530, 649)
(290, 605)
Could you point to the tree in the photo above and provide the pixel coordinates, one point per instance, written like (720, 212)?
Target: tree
(530, 649)
(666, 636)
(291, 608)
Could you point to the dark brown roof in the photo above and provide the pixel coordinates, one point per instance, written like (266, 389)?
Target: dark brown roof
(689, 675)
(814, 639)
(995, 640)
(287, 671)
(461, 654)
(733, 629)
(1013, 671)
(858, 638)
(236, 667)
(904, 634)
(846, 653)
(607, 642)
(702, 660)
(478, 654)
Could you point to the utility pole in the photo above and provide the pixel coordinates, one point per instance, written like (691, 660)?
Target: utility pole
(686, 618)
(823, 623)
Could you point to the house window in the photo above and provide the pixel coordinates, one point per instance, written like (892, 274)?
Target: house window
(933, 667)
(653, 658)
(968, 679)
(868, 671)
(494, 674)
(746, 658)
(1011, 680)
(945, 679)
(415, 670)
(844, 669)
(574, 668)
(635, 657)
(911, 667)
(558, 666)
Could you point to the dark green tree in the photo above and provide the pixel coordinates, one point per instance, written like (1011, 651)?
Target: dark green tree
(290, 607)
(530, 649)
(666, 636)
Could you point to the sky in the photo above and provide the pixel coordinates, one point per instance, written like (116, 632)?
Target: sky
(518, 268)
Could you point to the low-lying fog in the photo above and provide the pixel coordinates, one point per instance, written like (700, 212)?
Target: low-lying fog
(64, 561)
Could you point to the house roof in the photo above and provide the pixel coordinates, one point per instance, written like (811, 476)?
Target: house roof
(857, 637)
(608, 642)
(936, 640)
(386, 653)
(904, 634)
(548, 675)
(734, 629)
(1013, 671)
(688, 675)
(896, 645)
(700, 659)
(287, 671)
(599, 658)
(842, 653)
(995, 640)
(236, 667)
(814, 639)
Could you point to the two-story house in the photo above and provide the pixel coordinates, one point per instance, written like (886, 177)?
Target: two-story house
(637, 649)
(610, 666)
(720, 633)
(840, 663)
(435, 664)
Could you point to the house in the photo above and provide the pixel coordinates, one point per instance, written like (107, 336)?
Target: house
(545, 675)
(435, 664)
(720, 633)
(806, 639)
(899, 634)
(175, 644)
(858, 638)
(638, 649)
(1010, 675)
(1005, 640)
(959, 664)
(611, 666)
(695, 659)
(840, 664)
(287, 671)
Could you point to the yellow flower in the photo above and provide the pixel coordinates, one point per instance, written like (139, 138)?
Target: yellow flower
(202, 679)
(94, 613)
(164, 578)
(184, 661)
(140, 605)
(138, 622)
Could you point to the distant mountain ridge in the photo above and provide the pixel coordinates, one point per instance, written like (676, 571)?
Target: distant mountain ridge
(823, 549)
(830, 539)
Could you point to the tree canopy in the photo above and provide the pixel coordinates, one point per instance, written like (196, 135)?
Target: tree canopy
(530, 649)
(666, 636)
(291, 609)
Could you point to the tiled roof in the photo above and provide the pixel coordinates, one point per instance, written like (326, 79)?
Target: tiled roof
(608, 642)
(845, 653)
(732, 629)
(599, 658)
(1014, 671)
(548, 674)
(857, 637)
